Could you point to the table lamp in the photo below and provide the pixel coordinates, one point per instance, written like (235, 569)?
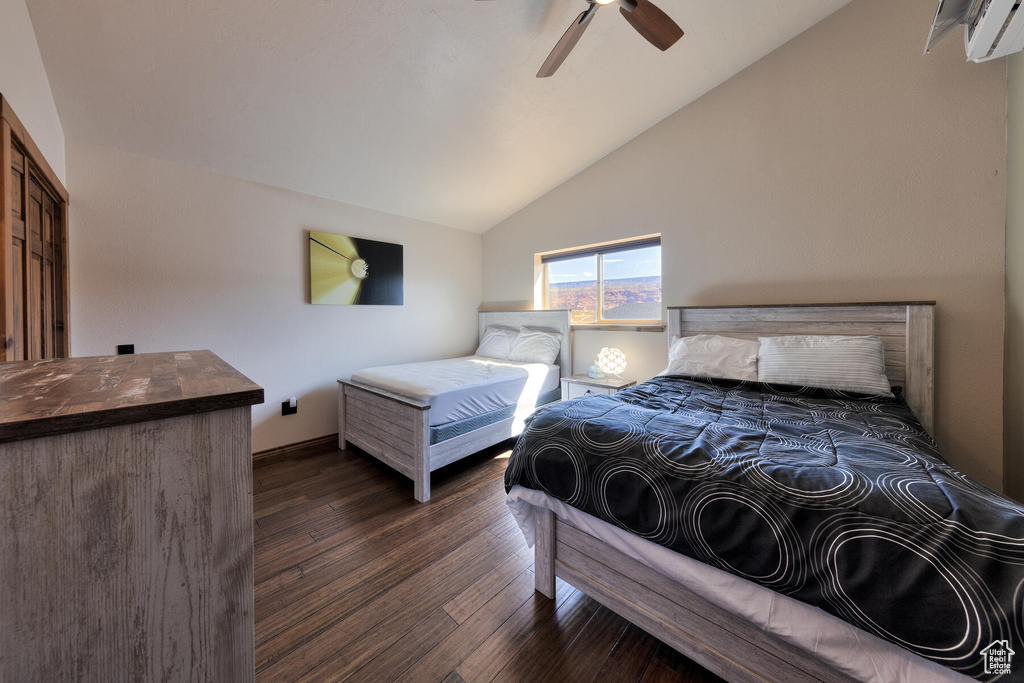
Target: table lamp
(612, 361)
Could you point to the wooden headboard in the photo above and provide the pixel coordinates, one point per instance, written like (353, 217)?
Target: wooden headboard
(907, 331)
(557, 320)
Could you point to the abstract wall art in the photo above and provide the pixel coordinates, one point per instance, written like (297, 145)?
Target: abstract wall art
(350, 270)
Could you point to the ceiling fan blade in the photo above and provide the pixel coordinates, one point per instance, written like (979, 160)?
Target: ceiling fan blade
(653, 24)
(566, 43)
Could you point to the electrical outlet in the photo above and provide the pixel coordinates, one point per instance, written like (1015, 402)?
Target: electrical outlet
(125, 349)
(289, 407)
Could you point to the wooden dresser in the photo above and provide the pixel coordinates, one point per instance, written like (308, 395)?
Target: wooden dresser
(126, 519)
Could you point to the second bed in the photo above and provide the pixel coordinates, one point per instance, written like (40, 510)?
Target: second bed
(419, 417)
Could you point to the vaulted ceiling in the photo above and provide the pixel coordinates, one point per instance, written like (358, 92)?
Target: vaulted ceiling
(422, 108)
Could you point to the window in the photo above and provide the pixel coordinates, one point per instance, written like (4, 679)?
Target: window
(606, 284)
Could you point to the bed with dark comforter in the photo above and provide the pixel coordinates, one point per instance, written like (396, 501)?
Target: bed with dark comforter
(838, 500)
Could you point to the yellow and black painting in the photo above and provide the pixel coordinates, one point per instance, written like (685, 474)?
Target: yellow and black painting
(348, 270)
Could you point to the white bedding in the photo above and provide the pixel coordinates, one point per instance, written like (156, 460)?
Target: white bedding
(860, 655)
(457, 388)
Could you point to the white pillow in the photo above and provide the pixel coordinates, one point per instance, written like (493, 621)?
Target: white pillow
(497, 342)
(536, 346)
(708, 355)
(843, 363)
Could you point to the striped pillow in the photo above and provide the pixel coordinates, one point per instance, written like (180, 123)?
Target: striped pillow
(843, 363)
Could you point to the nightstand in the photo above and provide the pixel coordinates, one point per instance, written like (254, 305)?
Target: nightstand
(581, 385)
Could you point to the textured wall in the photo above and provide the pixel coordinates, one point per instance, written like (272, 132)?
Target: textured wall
(1013, 410)
(844, 166)
(171, 258)
(23, 82)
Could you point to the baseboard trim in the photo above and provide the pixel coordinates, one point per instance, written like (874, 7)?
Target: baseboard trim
(302, 449)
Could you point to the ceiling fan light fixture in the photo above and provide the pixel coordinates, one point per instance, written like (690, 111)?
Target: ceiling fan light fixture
(643, 15)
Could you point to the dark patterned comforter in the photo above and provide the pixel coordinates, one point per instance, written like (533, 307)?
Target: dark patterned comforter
(837, 500)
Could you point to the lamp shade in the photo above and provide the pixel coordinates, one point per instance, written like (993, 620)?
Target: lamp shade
(612, 361)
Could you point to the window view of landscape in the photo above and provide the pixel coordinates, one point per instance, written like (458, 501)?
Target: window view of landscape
(632, 285)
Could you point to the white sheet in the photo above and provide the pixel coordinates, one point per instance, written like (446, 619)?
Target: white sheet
(457, 388)
(857, 653)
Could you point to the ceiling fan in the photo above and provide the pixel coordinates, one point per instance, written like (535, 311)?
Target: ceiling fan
(643, 15)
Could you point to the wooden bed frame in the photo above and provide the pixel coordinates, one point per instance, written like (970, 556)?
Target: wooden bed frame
(395, 429)
(716, 639)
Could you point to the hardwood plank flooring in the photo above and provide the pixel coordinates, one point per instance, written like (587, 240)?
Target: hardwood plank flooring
(356, 581)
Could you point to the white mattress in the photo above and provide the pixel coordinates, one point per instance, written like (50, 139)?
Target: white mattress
(857, 653)
(457, 388)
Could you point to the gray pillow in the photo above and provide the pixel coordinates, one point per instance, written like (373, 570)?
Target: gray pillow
(831, 362)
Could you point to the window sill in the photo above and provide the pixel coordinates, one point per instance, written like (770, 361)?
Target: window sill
(616, 327)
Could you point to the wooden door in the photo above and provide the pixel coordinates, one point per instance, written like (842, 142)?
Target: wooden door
(33, 250)
(17, 336)
(40, 297)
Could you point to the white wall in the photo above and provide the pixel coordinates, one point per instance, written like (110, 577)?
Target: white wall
(844, 166)
(24, 84)
(172, 258)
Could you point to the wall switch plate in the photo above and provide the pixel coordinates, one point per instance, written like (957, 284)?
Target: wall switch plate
(288, 409)
(125, 349)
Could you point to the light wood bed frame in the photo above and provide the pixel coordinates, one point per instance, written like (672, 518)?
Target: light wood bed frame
(395, 429)
(716, 639)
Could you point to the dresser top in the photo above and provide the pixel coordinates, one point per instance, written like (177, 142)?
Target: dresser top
(43, 397)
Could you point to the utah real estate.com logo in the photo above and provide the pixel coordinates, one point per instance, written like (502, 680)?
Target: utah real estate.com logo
(997, 657)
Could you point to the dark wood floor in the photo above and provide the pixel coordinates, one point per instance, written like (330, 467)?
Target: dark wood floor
(355, 580)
